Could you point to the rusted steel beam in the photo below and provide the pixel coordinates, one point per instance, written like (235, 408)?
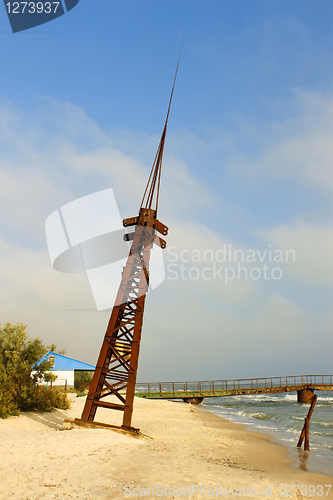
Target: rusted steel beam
(305, 430)
(119, 353)
(307, 437)
(111, 406)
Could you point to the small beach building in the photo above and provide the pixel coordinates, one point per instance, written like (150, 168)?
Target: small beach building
(65, 367)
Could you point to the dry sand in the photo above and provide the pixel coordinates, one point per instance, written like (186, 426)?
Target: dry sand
(187, 448)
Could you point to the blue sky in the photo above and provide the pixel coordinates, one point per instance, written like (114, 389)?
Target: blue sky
(248, 162)
(240, 58)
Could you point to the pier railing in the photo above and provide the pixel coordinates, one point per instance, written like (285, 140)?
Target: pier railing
(225, 387)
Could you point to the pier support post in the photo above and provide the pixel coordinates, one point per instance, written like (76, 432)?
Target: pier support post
(305, 396)
(193, 401)
(305, 430)
(307, 433)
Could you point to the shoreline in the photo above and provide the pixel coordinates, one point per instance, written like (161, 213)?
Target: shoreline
(187, 448)
(299, 458)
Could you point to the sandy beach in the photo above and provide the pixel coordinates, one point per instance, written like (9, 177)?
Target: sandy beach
(187, 453)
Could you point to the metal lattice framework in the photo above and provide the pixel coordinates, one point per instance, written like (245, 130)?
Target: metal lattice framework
(116, 368)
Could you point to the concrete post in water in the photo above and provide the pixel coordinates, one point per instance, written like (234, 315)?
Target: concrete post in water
(193, 401)
(305, 395)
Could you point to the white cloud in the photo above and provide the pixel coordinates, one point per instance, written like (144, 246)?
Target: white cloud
(299, 148)
(313, 246)
(207, 342)
(32, 293)
(26, 197)
(60, 155)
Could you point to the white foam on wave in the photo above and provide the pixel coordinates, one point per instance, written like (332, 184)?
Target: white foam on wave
(294, 431)
(324, 424)
(260, 416)
(325, 398)
(291, 440)
(289, 397)
(242, 423)
(267, 427)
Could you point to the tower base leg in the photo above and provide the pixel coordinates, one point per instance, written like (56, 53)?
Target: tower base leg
(129, 431)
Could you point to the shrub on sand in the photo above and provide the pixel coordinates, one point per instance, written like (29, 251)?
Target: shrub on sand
(19, 389)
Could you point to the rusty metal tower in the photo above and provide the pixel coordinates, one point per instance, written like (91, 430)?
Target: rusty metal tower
(116, 368)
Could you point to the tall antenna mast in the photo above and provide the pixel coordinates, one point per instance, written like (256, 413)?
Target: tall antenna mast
(155, 173)
(116, 368)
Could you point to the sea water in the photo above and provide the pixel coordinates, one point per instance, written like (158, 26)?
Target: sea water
(282, 417)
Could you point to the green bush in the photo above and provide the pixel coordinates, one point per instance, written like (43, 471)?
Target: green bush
(82, 380)
(19, 389)
(42, 399)
(8, 406)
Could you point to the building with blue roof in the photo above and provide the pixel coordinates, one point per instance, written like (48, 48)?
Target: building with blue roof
(65, 367)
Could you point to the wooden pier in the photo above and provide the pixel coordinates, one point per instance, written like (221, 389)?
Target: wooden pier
(195, 392)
